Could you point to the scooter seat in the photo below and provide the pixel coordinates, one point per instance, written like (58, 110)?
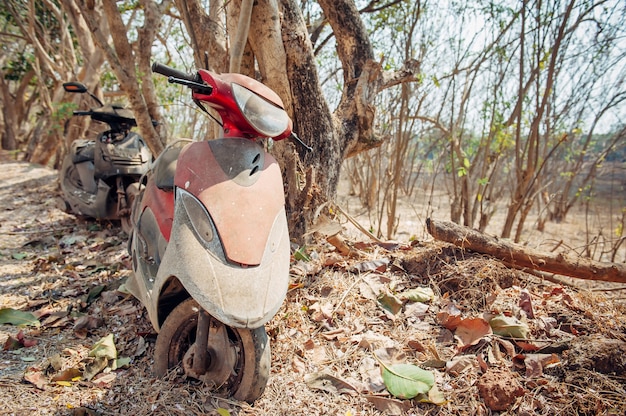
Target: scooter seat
(165, 168)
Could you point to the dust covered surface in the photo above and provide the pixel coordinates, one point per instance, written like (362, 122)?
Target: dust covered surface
(496, 340)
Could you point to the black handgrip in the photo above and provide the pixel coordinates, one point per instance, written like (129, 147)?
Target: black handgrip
(82, 113)
(171, 72)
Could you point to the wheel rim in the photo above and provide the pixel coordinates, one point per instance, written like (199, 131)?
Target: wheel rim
(224, 351)
(237, 361)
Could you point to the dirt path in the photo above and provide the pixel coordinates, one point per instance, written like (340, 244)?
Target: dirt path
(341, 316)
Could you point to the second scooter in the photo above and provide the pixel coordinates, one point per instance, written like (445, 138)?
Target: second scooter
(210, 245)
(100, 177)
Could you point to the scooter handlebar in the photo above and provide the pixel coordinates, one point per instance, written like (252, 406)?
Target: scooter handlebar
(82, 113)
(171, 72)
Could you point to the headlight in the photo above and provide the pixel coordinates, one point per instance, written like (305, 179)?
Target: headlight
(198, 216)
(265, 117)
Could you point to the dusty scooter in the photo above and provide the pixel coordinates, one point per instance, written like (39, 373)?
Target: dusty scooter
(210, 246)
(99, 178)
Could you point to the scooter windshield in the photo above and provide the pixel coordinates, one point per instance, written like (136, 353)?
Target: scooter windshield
(264, 116)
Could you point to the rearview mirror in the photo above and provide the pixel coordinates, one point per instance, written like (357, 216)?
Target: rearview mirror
(74, 87)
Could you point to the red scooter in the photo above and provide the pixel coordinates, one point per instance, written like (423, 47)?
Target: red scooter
(210, 246)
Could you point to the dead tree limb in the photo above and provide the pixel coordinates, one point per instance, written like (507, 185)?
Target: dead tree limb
(523, 257)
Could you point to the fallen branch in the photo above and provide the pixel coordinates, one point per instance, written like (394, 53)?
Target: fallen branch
(523, 257)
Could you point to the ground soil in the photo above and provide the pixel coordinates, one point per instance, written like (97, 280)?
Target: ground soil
(344, 316)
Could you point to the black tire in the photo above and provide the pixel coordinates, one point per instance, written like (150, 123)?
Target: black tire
(247, 350)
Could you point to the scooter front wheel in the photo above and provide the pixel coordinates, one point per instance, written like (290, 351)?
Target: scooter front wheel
(237, 360)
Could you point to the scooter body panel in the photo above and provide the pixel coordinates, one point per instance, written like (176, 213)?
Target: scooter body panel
(242, 297)
(121, 154)
(241, 186)
(90, 171)
(228, 243)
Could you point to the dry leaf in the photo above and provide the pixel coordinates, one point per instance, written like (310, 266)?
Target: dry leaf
(370, 372)
(333, 335)
(379, 265)
(391, 407)
(535, 363)
(509, 348)
(390, 303)
(461, 364)
(416, 345)
(67, 375)
(471, 330)
(525, 302)
(297, 364)
(390, 355)
(36, 377)
(509, 326)
(331, 384)
(321, 312)
(141, 347)
(104, 380)
(449, 316)
(95, 367)
(416, 310)
(84, 324)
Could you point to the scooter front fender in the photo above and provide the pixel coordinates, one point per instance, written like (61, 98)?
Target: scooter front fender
(238, 295)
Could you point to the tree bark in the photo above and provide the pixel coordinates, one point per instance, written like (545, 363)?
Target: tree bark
(523, 257)
(208, 42)
(9, 136)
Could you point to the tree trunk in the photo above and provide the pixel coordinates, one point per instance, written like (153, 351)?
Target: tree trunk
(313, 122)
(9, 136)
(208, 43)
(123, 64)
(523, 257)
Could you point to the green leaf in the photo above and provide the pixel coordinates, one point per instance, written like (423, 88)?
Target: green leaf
(105, 348)
(390, 303)
(419, 294)
(508, 326)
(222, 412)
(434, 396)
(94, 292)
(483, 181)
(122, 362)
(406, 381)
(94, 368)
(300, 254)
(19, 256)
(17, 317)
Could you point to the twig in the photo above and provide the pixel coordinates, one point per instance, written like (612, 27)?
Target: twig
(35, 231)
(345, 294)
(359, 226)
(613, 289)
